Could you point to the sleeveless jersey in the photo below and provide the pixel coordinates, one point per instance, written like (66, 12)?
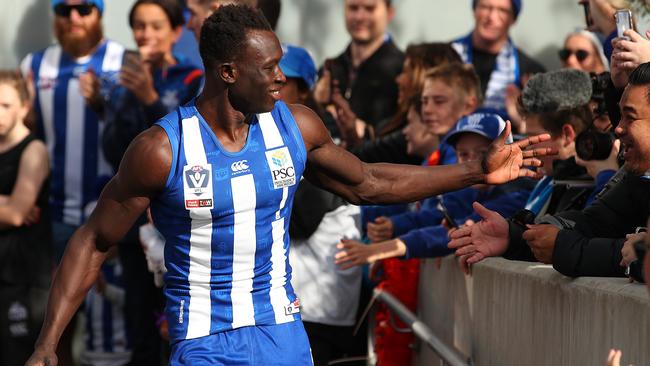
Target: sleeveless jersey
(69, 127)
(225, 219)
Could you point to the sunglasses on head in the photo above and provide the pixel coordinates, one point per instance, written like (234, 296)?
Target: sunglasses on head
(581, 55)
(64, 10)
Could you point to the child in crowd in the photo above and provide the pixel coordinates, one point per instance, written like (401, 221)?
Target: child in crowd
(25, 226)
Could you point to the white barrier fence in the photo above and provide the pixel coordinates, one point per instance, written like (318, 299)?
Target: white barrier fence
(519, 313)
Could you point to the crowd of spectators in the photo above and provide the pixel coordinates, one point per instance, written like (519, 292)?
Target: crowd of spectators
(68, 120)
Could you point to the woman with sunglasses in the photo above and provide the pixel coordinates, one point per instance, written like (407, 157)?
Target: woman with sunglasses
(583, 51)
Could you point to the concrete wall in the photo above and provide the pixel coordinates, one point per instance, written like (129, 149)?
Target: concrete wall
(518, 313)
(318, 25)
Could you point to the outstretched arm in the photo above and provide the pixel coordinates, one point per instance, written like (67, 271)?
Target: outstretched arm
(340, 172)
(142, 175)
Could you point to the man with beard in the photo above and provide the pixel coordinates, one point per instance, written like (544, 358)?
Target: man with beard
(65, 120)
(220, 174)
(70, 127)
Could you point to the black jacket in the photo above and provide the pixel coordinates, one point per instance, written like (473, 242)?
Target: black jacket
(371, 88)
(593, 246)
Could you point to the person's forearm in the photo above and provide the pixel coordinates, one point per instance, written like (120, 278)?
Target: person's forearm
(76, 274)
(11, 215)
(392, 183)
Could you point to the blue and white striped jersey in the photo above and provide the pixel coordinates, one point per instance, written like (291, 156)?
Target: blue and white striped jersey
(225, 219)
(70, 129)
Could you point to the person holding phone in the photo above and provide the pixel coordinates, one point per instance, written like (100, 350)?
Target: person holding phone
(153, 79)
(470, 138)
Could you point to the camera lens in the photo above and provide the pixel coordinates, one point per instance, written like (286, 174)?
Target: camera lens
(594, 145)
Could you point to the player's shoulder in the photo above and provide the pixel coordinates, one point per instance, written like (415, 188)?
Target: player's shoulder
(310, 124)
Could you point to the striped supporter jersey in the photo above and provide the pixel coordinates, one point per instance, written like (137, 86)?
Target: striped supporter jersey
(71, 130)
(225, 219)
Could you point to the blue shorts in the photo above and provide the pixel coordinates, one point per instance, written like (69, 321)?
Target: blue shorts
(263, 345)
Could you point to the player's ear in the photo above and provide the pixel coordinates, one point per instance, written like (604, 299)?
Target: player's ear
(228, 72)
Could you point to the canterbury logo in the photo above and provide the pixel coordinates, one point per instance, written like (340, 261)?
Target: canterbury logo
(239, 165)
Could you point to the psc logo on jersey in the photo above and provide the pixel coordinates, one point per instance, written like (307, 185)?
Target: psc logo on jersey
(197, 186)
(282, 171)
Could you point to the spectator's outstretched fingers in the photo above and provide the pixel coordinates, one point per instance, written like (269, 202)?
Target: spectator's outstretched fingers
(465, 247)
(459, 233)
(614, 357)
(353, 253)
(487, 238)
(464, 265)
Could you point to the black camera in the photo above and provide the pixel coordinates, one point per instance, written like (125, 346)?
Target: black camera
(593, 144)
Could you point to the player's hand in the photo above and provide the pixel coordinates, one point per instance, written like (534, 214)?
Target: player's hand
(381, 229)
(506, 162)
(43, 356)
(487, 238)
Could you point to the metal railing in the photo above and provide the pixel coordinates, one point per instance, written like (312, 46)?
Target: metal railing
(447, 354)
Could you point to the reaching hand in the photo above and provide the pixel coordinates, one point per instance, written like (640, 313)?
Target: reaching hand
(354, 253)
(487, 238)
(505, 162)
(380, 230)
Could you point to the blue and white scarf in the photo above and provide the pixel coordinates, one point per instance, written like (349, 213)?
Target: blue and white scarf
(506, 71)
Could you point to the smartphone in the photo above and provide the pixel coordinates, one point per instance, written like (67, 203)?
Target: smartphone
(132, 59)
(445, 213)
(623, 22)
(588, 21)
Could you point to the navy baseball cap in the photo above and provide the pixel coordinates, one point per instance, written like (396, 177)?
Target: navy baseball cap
(488, 125)
(297, 63)
(516, 6)
(99, 4)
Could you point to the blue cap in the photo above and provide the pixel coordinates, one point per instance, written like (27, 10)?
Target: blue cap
(297, 63)
(488, 125)
(516, 6)
(99, 4)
